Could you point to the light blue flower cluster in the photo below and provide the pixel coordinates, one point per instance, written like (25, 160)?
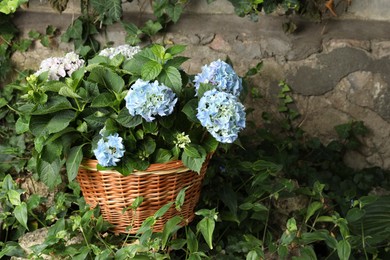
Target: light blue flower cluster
(59, 67)
(222, 115)
(150, 99)
(109, 150)
(126, 50)
(221, 75)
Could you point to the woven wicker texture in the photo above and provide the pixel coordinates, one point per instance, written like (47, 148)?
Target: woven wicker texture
(158, 185)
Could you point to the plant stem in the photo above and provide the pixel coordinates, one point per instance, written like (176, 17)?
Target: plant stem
(265, 226)
(363, 241)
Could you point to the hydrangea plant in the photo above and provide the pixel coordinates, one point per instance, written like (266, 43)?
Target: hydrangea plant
(128, 108)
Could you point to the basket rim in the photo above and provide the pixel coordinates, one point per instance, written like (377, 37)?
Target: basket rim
(176, 166)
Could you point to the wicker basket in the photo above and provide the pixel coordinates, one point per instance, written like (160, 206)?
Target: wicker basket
(158, 185)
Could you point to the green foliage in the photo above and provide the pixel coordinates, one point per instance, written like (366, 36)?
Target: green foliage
(66, 116)
(284, 196)
(10, 6)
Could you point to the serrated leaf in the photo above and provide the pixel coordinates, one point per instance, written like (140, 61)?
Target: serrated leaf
(107, 78)
(192, 151)
(151, 70)
(45, 125)
(109, 11)
(194, 164)
(163, 156)
(174, 12)
(171, 78)
(53, 105)
(190, 111)
(22, 125)
(49, 173)
(151, 27)
(176, 49)
(127, 120)
(68, 92)
(104, 100)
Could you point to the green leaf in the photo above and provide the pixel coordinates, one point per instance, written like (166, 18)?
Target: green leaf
(22, 124)
(49, 173)
(107, 78)
(150, 127)
(194, 164)
(3, 102)
(180, 198)
(171, 78)
(355, 214)
(204, 88)
(176, 49)
(73, 161)
(366, 200)
(313, 207)
(190, 111)
(252, 255)
(33, 201)
(127, 120)
(11, 248)
(20, 213)
(343, 249)
(174, 12)
(246, 206)
(75, 31)
(163, 156)
(176, 62)
(229, 198)
(68, 92)
(170, 227)
(319, 235)
(161, 211)
(192, 242)
(133, 33)
(45, 125)
(53, 105)
(151, 27)
(104, 100)
(210, 144)
(192, 151)
(109, 11)
(13, 197)
(8, 183)
(266, 166)
(151, 70)
(53, 86)
(206, 227)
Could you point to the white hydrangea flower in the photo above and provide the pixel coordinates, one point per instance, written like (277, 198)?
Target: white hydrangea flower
(59, 67)
(126, 50)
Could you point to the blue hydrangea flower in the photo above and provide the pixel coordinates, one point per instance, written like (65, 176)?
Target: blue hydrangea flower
(109, 150)
(221, 75)
(222, 115)
(150, 99)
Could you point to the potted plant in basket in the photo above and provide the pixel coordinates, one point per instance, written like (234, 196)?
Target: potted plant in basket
(129, 113)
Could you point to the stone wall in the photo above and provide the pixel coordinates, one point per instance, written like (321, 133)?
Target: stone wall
(338, 69)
